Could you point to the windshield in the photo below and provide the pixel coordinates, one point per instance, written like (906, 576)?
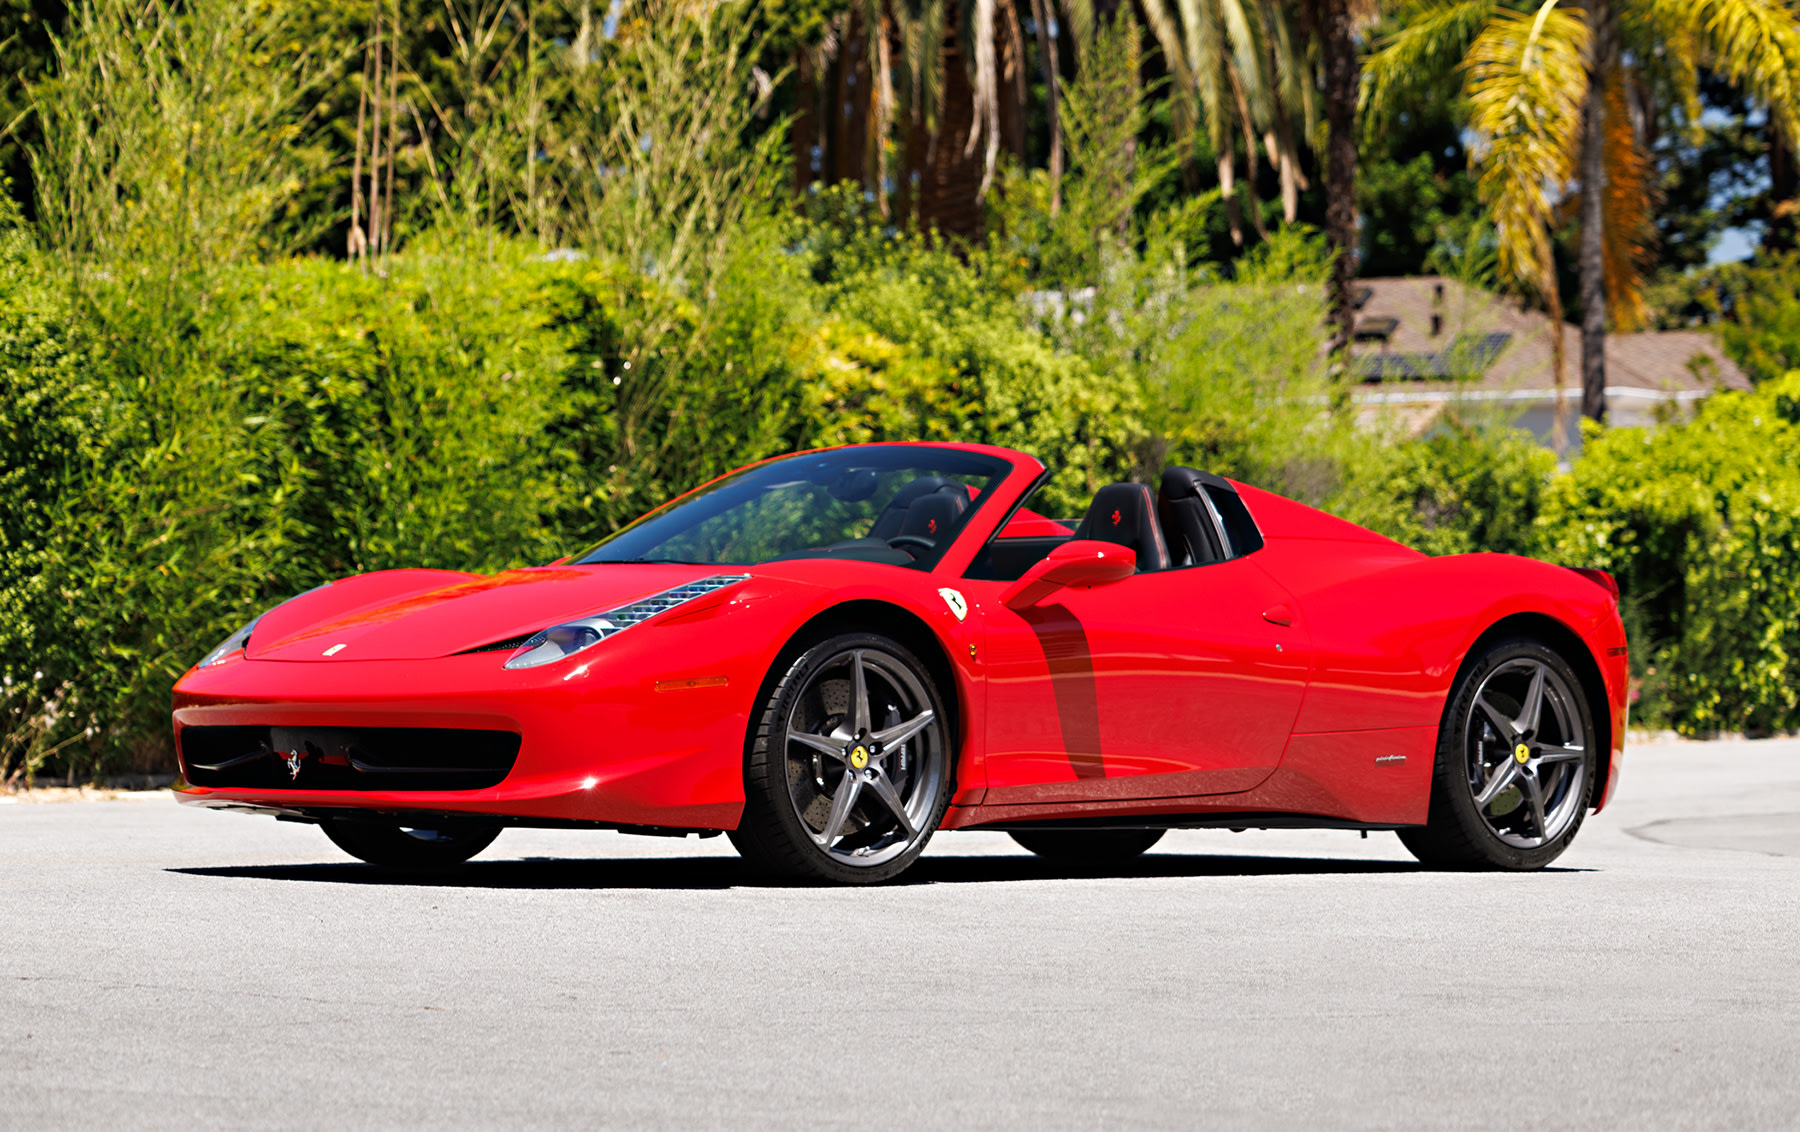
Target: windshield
(901, 505)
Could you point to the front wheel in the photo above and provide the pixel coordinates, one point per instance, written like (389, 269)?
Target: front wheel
(1515, 764)
(396, 846)
(849, 767)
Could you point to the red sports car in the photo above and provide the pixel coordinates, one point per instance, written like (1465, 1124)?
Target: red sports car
(832, 655)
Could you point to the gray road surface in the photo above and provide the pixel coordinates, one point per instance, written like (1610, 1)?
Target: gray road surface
(166, 968)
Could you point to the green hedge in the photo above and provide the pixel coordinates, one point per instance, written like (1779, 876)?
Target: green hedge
(181, 452)
(299, 422)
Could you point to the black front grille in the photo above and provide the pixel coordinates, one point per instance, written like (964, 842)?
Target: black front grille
(347, 758)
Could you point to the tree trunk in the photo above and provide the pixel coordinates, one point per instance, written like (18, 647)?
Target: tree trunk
(1784, 190)
(803, 134)
(1343, 75)
(1014, 87)
(1592, 258)
(1040, 16)
(848, 116)
(1228, 192)
(950, 181)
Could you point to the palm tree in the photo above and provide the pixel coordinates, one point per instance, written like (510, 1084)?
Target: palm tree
(1259, 67)
(1336, 23)
(938, 84)
(1554, 90)
(1240, 68)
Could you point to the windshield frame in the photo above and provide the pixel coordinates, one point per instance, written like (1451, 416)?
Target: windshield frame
(1006, 466)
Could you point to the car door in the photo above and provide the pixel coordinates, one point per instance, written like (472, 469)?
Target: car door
(1166, 684)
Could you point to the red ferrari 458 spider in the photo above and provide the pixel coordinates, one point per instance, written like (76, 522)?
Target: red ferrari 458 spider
(832, 655)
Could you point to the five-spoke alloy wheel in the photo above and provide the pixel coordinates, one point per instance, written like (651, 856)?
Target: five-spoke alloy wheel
(849, 764)
(1515, 763)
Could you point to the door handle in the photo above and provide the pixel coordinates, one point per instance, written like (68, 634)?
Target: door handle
(1279, 615)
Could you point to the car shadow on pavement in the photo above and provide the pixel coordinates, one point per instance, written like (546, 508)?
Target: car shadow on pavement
(729, 872)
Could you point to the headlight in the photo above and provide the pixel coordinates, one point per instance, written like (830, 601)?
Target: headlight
(572, 637)
(241, 639)
(232, 644)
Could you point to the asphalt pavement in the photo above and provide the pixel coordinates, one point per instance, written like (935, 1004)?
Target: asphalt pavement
(169, 968)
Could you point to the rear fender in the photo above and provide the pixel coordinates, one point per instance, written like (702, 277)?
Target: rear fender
(1605, 696)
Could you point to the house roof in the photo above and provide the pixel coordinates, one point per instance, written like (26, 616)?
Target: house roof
(1482, 341)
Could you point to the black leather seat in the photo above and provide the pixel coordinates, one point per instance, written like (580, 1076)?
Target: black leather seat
(1125, 513)
(1204, 517)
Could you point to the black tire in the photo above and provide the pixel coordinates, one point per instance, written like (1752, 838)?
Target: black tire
(1088, 846)
(412, 848)
(792, 785)
(1533, 761)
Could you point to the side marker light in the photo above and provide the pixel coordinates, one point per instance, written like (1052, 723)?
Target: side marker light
(693, 682)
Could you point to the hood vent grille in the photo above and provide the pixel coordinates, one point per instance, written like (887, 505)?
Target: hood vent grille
(507, 645)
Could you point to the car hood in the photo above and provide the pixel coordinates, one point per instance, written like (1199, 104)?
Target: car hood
(417, 614)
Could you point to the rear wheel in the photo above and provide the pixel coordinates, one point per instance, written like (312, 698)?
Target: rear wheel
(849, 767)
(397, 846)
(1515, 764)
(1088, 846)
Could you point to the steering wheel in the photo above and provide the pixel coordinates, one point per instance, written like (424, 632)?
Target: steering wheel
(919, 541)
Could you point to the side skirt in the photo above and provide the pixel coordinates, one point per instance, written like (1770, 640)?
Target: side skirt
(1235, 822)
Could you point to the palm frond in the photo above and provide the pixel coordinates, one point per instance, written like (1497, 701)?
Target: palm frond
(1292, 75)
(1426, 50)
(1080, 14)
(1168, 32)
(1169, 37)
(1244, 34)
(922, 33)
(978, 18)
(1627, 235)
(1526, 79)
(1755, 44)
(1206, 55)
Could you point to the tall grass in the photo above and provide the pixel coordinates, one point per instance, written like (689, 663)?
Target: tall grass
(169, 133)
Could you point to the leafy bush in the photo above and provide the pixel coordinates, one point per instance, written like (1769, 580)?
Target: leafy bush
(1462, 489)
(58, 424)
(921, 345)
(1754, 306)
(1699, 523)
(1764, 338)
(398, 421)
(1235, 380)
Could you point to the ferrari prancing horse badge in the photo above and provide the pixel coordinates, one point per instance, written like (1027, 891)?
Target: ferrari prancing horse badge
(955, 601)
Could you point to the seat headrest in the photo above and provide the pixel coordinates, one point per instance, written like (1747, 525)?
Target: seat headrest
(1125, 514)
(889, 522)
(932, 516)
(1183, 483)
(1194, 536)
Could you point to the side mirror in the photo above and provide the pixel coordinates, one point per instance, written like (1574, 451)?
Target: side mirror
(1079, 564)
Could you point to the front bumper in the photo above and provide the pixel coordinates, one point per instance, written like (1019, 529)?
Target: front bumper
(599, 743)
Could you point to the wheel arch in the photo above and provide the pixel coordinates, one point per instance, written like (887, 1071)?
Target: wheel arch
(890, 620)
(1568, 645)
